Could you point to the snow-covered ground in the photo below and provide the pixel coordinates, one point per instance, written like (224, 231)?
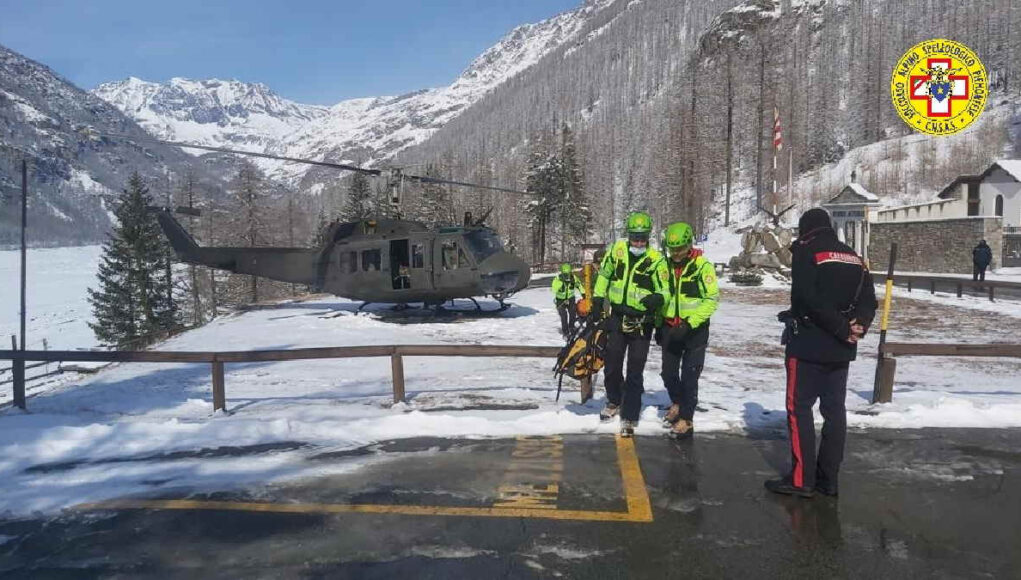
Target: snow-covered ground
(57, 301)
(139, 428)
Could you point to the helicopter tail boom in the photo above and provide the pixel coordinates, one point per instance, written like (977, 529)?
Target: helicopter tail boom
(294, 265)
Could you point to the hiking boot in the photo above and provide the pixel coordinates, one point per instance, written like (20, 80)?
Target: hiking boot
(609, 412)
(672, 414)
(627, 428)
(682, 429)
(785, 487)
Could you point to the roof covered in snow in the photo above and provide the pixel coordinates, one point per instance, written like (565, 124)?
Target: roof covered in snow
(853, 193)
(1011, 166)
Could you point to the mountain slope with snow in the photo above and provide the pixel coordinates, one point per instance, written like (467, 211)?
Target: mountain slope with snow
(71, 171)
(366, 130)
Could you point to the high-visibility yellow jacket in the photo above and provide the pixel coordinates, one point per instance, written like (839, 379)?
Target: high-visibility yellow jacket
(566, 286)
(693, 292)
(623, 282)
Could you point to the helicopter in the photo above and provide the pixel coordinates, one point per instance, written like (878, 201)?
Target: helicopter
(376, 261)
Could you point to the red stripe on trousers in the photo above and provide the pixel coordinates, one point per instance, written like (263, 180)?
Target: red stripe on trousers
(798, 471)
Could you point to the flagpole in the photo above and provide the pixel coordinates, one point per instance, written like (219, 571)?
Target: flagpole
(776, 138)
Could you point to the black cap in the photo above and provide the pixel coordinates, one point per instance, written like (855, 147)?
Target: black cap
(813, 219)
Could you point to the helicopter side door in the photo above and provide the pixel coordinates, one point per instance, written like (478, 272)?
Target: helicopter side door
(453, 268)
(409, 265)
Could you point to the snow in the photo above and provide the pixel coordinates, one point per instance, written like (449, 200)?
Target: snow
(1011, 166)
(860, 190)
(97, 437)
(58, 309)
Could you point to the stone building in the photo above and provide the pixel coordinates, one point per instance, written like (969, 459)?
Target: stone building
(938, 236)
(850, 211)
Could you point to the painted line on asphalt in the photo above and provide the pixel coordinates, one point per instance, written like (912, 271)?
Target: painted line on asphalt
(639, 509)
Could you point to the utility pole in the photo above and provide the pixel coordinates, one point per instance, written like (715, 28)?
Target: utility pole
(18, 364)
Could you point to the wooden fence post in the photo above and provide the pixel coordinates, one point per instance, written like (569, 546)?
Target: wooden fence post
(991, 287)
(932, 286)
(886, 380)
(397, 366)
(18, 372)
(219, 392)
(960, 289)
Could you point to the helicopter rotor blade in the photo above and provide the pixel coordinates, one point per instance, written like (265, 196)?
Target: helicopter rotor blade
(424, 179)
(249, 153)
(343, 166)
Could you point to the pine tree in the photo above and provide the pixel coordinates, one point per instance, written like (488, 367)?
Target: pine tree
(322, 228)
(575, 214)
(432, 205)
(542, 178)
(134, 303)
(359, 199)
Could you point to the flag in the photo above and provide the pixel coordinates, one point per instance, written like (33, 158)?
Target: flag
(777, 137)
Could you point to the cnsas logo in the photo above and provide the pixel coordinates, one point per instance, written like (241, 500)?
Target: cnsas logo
(939, 87)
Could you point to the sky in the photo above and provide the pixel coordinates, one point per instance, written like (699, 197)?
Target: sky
(308, 51)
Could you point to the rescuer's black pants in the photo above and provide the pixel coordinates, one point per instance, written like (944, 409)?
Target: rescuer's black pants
(806, 382)
(566, 310)
(621, 390)
(683, 360)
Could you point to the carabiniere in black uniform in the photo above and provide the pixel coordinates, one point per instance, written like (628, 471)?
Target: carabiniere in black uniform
(831, 287)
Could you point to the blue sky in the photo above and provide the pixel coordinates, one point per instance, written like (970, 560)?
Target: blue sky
(308, 51)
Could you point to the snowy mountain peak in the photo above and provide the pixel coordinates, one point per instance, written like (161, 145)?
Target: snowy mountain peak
(250, 116)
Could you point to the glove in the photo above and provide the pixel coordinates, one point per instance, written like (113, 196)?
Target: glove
(652, 302)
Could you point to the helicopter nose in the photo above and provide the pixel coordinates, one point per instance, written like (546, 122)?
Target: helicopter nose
(502, 273)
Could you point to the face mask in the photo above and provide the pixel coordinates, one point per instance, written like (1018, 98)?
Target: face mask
(637, 251)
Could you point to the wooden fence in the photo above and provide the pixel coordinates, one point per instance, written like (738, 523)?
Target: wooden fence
(218, 359)
(891, 350)
(959, 284)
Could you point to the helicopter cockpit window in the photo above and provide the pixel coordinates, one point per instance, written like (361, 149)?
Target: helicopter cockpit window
(483, 243)
(462, 259)
(417, 256)
(352, 262)
(370, 260)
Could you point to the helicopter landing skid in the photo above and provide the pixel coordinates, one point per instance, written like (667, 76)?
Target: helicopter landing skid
(364, 304)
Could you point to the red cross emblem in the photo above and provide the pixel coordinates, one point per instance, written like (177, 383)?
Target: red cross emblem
(939, 90)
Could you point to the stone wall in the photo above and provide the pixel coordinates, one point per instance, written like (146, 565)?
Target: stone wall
(934, 245)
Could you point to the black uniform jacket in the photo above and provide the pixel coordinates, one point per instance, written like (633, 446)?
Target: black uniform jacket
(826, 277)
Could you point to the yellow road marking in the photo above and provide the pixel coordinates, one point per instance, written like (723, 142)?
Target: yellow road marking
(639, 508)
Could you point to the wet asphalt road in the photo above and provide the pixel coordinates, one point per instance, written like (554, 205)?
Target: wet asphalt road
(914, 504)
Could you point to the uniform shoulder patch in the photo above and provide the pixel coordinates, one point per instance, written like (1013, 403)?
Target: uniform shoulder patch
(837, 257)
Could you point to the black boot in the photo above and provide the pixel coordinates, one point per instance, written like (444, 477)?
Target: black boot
(785, 487)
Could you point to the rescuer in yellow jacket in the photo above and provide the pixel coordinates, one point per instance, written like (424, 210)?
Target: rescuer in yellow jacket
(633, 278)
(565, 290)
(693, 297)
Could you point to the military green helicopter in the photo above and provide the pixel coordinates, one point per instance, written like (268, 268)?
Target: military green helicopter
(380, 261)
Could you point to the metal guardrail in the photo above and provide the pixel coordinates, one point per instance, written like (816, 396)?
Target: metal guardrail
(890, 350)
(218, 359)
(959, 284)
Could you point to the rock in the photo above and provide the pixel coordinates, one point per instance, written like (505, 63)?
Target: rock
(785, 257)
(770, 242)
(765, 260)
(735, 263)
(785, 237)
